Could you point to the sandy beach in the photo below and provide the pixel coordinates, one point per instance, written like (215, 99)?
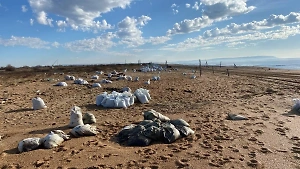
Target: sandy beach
(269, 139)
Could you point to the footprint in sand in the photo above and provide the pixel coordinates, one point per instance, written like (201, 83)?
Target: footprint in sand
(182, 163)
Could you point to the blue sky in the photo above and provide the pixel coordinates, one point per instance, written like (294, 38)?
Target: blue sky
(39, 32)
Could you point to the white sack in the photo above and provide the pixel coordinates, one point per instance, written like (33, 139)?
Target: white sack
(100, 98)
(95, 77)
(75, 117)
(61, 84)
(29, 144)
(96, 85)
(52, 140)
(296, 105)
(89, 118)
(38, 103)
(84, 130)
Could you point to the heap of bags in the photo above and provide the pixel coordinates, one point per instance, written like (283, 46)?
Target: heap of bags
(123, 99)
(154, 127)
(80, 127)
(296, 106)
(81, 81)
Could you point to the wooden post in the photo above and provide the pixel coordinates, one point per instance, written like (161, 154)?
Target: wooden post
(200, 70)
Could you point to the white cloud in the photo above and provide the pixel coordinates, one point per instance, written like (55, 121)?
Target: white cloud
(100, 43)
(43, 19)
(31, 21)
(159, 39)
(55, 44)
(173, 5)
(129, 30)
(196, 6)
(187, 25)
(24, 8)
(175, 11)
(25, 41)
(187, 5)
(232, 40)
(272, 21)
(215, 9)
(79, 15)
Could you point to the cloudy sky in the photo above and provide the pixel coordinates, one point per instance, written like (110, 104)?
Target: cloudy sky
(40, 32)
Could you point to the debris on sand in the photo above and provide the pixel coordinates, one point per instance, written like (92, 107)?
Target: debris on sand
(231, 116)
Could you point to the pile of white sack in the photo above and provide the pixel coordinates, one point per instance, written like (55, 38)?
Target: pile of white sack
(115, 99)
(61, 84)
(81, 127)
(296, 106)
(122, 100)
(81, 81)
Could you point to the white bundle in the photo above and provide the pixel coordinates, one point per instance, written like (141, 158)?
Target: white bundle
(105, 81)
(84, 130)
(61, 84)
(142, 95)
(100, 98)
(154, 78)
(193, 77)
(89, 118)
(52, 140)
(99, 72)
(95, 77)
(120, 102)
(296, 105)
(68, 77)
(38, 103)
(136, 79)
(109, 75)
(126, 89)
(81, 81)
(125, 70)
(147, 82)
(134, 70)
(29, 144)
(96, 85)
(129, 78)
(108, 102)
(75, 117)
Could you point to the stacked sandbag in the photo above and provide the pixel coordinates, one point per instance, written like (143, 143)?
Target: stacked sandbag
(61, 84)
(88, 118)
(54, 139)
(96, 85)
(68, 77)
(95, 77)
(296, 106)
(105, 81)
(81, 81)
(155, 127)
(38, 103)
(75, 117)
(115, 99)
(142, 95)
(29, 144)
(84, 130)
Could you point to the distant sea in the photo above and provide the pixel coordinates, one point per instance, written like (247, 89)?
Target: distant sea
(259, 61)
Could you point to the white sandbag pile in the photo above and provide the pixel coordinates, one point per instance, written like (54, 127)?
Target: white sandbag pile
(81, 81)
(38, 103)
(155, 127)
(96, 85)
(61, 84)
(136, 79)
(68, 77)
(53, 139)
(129, 78)
(75, 117)
(155, 78)
(99, 72)
(193, 77)
(142, 95)
(115, 99)
(88, 118)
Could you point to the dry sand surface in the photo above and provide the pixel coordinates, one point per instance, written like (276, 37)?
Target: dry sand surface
(269, 139)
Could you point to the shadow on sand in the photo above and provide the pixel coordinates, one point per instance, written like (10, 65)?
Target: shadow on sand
(46, 131)
(292, 112)
(12, 151)
(19, 110)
